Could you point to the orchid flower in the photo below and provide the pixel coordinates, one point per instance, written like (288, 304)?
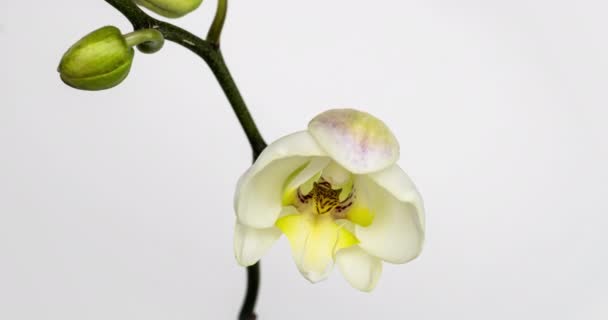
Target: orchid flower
(339, 197)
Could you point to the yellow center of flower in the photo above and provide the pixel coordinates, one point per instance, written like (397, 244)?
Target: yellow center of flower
(324, 217)
(325, 198)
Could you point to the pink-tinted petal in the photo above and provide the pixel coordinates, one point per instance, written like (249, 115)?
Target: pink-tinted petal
(356, 140)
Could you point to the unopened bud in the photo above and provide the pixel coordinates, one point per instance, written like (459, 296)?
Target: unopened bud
(171, 8)
(100, 60)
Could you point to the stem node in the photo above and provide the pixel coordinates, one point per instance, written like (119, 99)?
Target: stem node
(215, 31)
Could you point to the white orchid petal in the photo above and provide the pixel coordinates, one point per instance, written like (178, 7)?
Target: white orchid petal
(394, 180)
(359, 268)
(336, 175)
(396, 234)
(258, 195)
(358, 141)
(250, 244)
(300, 143)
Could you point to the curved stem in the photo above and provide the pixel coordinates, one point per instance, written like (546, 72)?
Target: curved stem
(215, 32)
(146, 40)
(223, 76)
(211, 54)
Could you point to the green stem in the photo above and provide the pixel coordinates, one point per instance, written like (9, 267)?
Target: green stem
(253, 284)
(211, 54)
(215, 32)
(146, 40)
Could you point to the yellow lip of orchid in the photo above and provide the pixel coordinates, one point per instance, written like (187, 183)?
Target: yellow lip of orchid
(337, 195)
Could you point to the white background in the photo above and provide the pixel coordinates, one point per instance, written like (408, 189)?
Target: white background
(118, 204)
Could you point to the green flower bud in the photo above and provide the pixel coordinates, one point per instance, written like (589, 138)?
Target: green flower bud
(100, 60)
(171, 8)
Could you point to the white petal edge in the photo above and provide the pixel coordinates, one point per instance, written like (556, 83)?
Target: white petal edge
(396, 234)
(257, 200)
(335, 174)
(359, 268)
(394, 180)
(250, 244)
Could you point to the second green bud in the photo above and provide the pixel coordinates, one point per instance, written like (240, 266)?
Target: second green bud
(171, 8)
